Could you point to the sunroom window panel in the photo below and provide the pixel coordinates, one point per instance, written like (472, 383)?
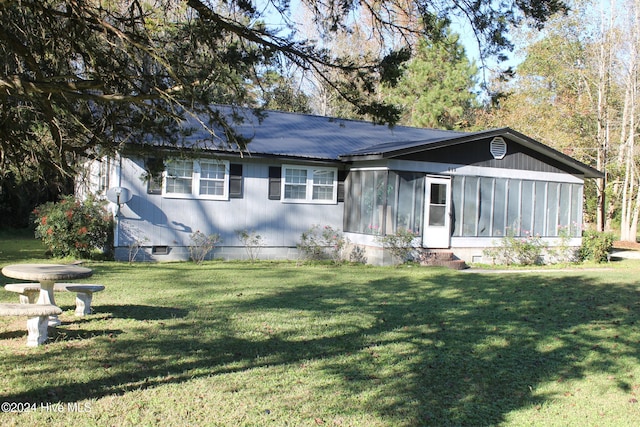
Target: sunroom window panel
(470, 209)
(409, 205)
(353, 194)
(552, 208)
(539, 208)
(576, 210)
(485, 209)
(564, 214)
(369, 223)
(381, 189)
(513, 207)
(528, 194)
(499, 207)
(457, 193)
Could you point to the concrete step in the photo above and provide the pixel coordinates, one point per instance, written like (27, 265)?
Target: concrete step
(441, 259)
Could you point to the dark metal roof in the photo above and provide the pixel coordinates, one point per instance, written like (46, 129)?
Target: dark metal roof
(315, 137)
(312, 137)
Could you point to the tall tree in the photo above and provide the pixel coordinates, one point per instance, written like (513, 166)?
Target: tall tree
(436, 86)
(630, 204)
(280, 92)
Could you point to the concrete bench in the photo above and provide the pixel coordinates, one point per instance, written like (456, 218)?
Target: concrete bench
(37, 319)
(84, 293)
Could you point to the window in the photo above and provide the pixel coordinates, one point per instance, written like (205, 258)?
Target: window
(103, 175)
(517, 206)
(323, 184)
(381, 201)
(179, 178)
(212, 178)
(205, 179)
(301, 184)
(295, 184)
(437, 205)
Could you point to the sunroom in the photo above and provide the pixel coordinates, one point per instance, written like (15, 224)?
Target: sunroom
(525, 190)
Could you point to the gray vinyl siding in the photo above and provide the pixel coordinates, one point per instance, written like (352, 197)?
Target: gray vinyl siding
(162, 221)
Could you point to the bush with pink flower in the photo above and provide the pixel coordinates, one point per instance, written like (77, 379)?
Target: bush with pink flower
(71, 228)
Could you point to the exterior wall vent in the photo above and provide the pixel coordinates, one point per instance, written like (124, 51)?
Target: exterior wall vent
(498, 148)
(160, 250)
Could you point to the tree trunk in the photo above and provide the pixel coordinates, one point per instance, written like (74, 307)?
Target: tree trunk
(602, 136)
(630, 197)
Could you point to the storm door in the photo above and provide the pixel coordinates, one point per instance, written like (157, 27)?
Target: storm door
(437, 218)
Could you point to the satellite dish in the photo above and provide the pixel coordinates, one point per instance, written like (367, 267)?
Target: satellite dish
(119, 195)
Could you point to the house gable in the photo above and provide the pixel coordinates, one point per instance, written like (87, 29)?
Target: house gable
(478, 153)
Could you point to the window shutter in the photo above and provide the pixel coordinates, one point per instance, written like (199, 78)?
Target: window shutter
(154, 168)
(275, 180)
(235, 181)
(342, 176)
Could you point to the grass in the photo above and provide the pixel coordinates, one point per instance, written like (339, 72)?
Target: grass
(238, 344)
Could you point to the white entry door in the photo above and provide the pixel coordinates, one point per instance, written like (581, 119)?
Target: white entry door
(437, 218)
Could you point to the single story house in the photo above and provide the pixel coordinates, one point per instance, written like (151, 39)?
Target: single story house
(460, 191)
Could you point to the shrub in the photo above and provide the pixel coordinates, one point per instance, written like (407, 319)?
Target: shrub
(318, 244)
(563, 253)
(252, 243)
(136, 240)
(525, 250)
(596, 246)
(400, 244)
(73, 228)
(358, 255)
(201, 245)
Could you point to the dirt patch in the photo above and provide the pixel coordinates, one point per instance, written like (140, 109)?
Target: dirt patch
(626, 245)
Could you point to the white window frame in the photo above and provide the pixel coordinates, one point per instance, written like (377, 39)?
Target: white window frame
(310, 170)
(196, 178)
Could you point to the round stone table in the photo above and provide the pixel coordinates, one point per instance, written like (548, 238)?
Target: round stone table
(46, 275)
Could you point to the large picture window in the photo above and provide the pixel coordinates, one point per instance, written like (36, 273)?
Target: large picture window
(205, 179)
(303, 184)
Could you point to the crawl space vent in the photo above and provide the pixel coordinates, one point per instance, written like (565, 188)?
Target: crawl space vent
(498, 148)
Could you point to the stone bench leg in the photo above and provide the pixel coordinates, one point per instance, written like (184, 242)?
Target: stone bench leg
(29, 297)
(46, 297)
(37, 328)
(83, 303)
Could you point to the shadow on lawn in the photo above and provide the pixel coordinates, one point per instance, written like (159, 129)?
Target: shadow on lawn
(473, 347)
(142, 312)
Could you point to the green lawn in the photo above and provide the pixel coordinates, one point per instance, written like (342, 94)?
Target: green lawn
(238, 344)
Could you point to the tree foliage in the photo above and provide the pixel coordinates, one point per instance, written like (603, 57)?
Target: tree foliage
(575, 91)
(80, 77)
(436, 86)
